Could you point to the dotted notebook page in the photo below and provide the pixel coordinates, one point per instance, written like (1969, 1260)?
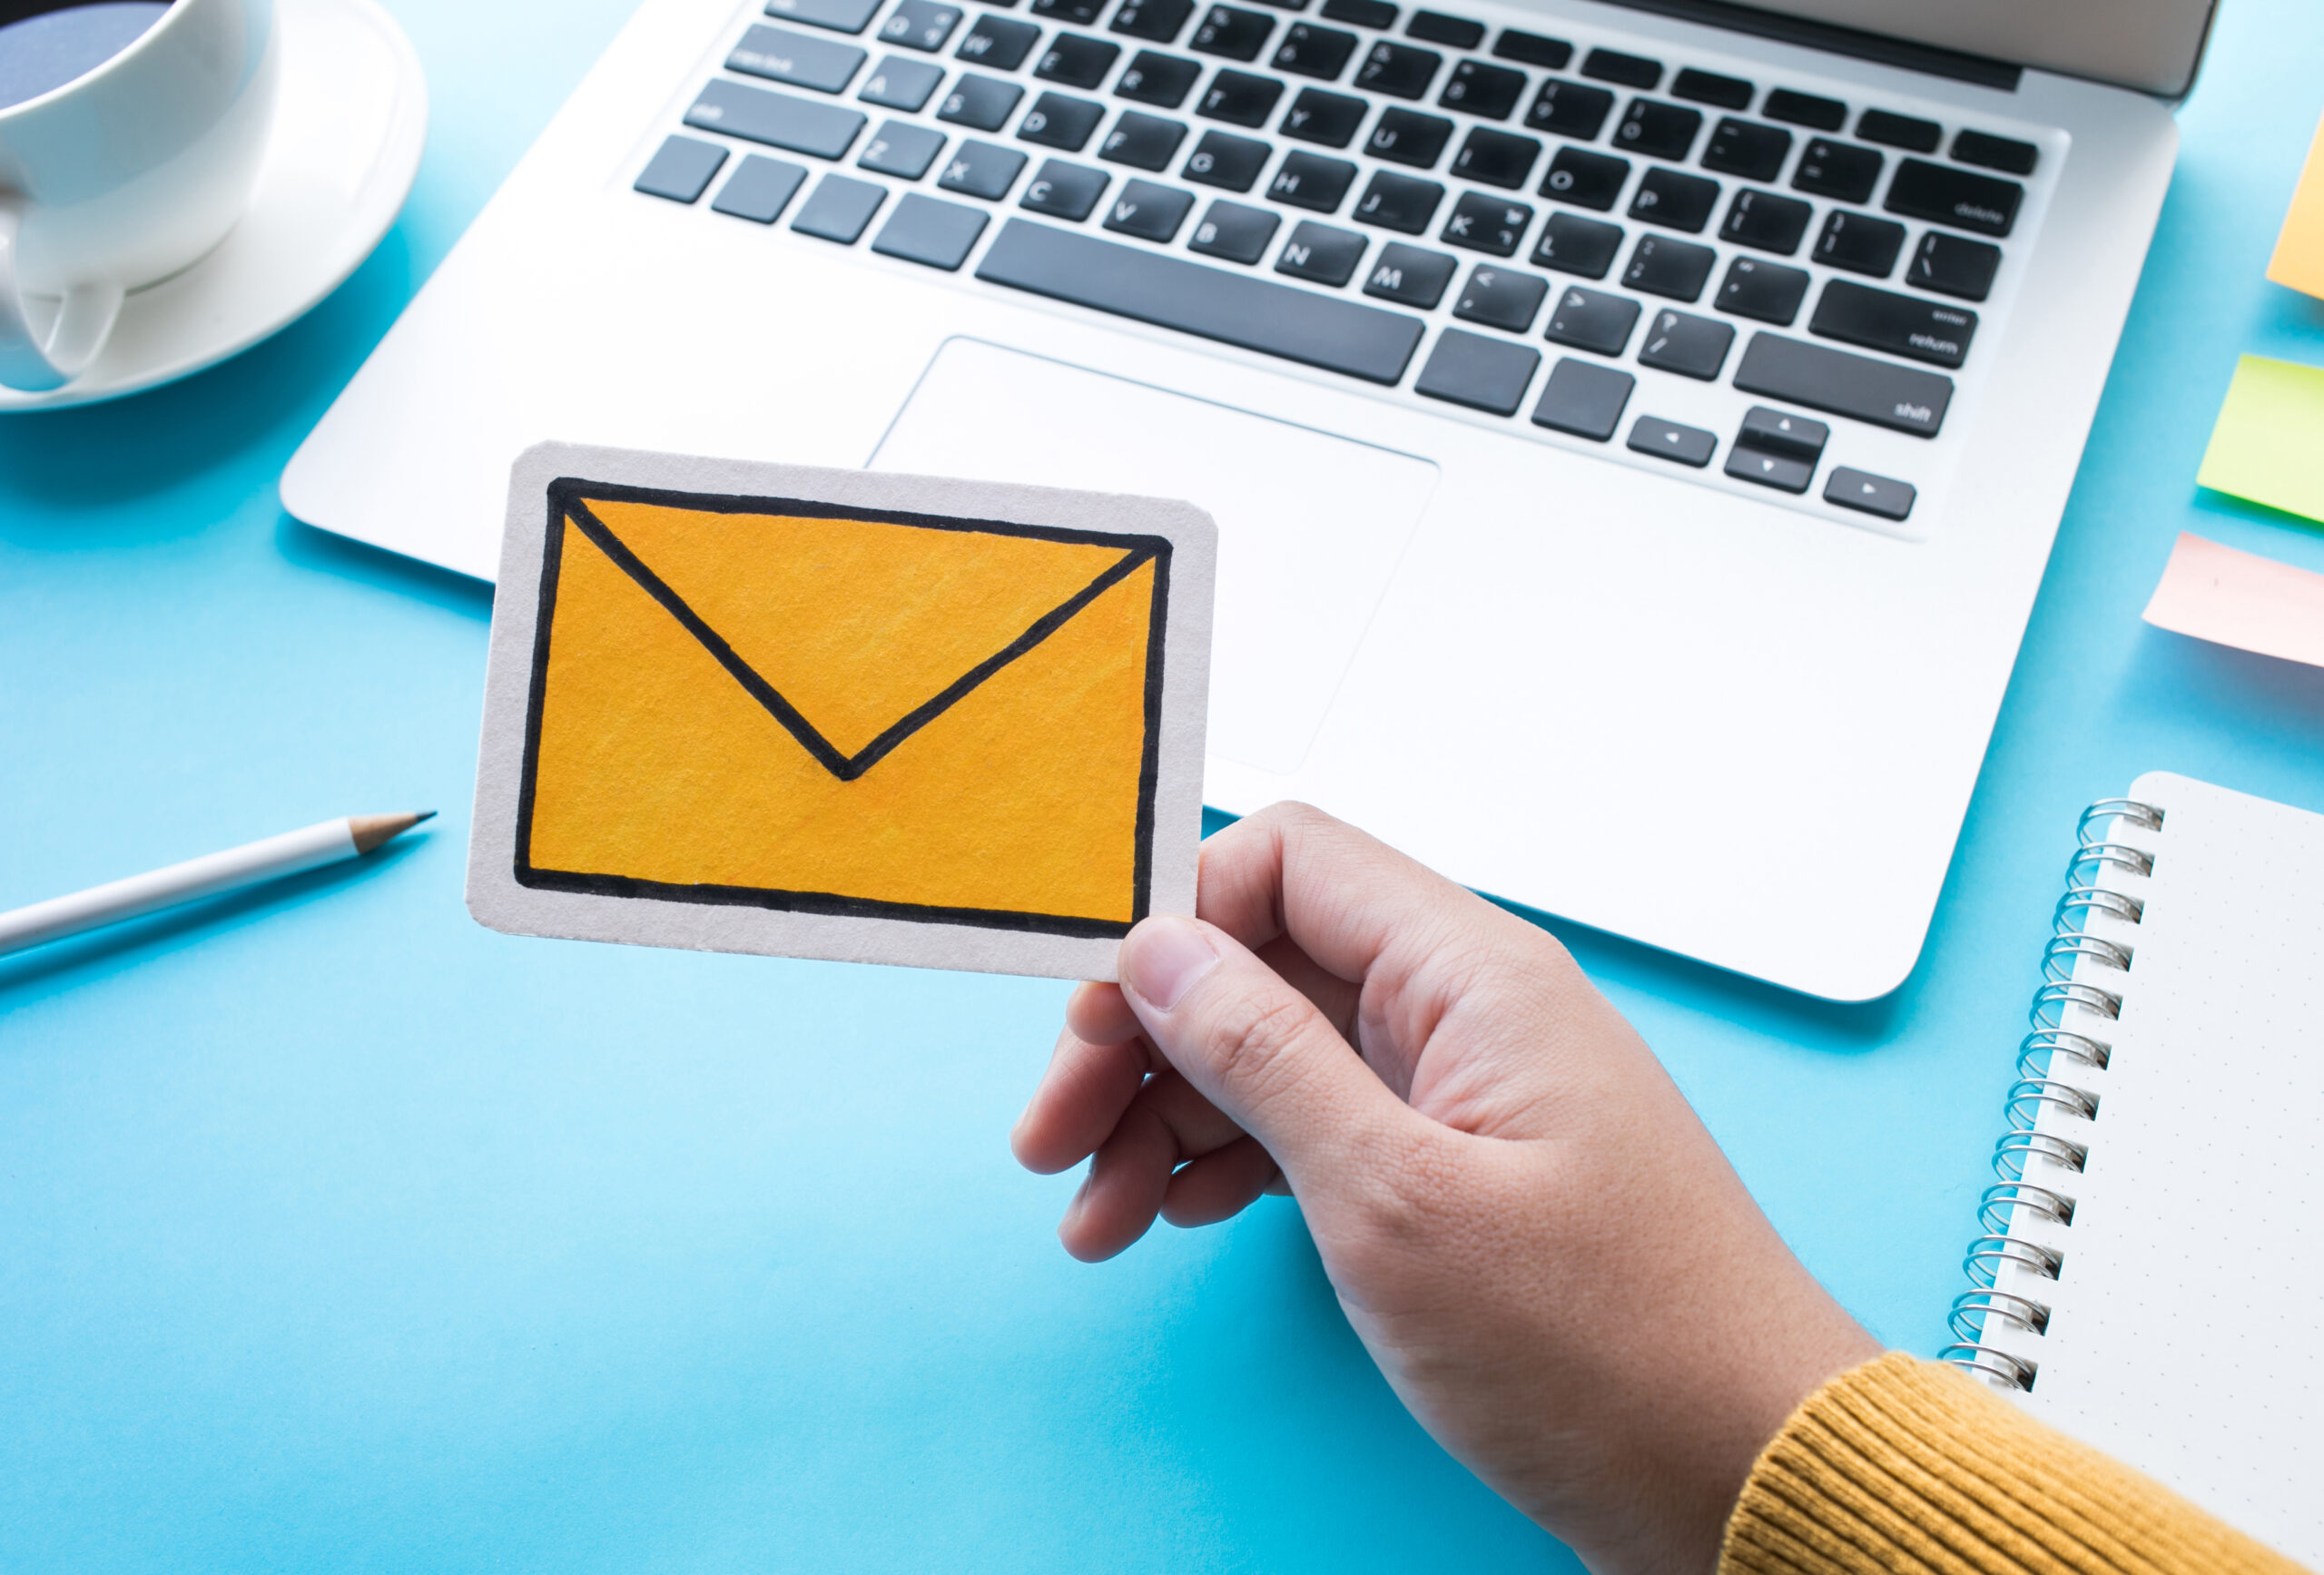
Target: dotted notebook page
(2190, 1308)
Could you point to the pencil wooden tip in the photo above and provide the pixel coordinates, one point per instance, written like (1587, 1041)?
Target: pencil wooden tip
(371, 831)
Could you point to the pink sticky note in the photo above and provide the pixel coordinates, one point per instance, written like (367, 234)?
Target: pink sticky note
(2241, 599)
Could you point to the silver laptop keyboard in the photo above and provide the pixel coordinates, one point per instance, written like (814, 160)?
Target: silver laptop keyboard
(1342, 191)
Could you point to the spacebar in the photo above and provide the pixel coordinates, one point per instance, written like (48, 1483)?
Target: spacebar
(1234, 309)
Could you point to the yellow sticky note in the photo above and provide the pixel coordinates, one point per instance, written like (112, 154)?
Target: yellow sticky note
(2241, 599)
(2299, 261)
(2268, 445)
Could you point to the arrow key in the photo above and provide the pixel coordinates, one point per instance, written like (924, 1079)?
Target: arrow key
(1863, 490)
(1668, 440)
(1781, 432)
(1768, 469)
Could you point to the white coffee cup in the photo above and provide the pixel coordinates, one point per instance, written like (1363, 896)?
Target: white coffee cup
(125, 176)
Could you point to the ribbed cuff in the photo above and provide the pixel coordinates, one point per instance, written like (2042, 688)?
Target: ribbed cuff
(1901, 1466)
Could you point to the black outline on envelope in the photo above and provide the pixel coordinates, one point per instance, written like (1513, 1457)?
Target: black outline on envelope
(568, 498)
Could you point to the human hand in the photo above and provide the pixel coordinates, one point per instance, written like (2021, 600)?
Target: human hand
(1535, 1237)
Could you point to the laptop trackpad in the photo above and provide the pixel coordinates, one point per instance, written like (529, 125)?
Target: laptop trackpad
(1310, 526)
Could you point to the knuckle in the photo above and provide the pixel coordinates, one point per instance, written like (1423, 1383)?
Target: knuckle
(1253, 1038)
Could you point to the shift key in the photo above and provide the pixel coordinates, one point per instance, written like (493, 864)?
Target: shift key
(1903, 398)
(1911, 325)
(776, 119)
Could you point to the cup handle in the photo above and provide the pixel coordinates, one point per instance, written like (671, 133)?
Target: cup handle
(33, 362)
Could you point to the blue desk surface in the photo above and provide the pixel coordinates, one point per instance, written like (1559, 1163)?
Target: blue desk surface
(339, 1233)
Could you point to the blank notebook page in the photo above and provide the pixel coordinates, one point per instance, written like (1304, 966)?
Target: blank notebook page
(2187, 1314)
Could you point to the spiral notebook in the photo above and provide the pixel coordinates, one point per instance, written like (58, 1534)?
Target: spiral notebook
(2151, 1278)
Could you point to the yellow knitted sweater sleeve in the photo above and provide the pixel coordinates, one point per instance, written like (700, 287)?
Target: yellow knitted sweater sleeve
(1902, 1467)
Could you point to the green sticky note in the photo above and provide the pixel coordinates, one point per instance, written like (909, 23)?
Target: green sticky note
(2268, 445)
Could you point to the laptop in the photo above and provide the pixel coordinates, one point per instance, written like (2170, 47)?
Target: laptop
(1637, 430)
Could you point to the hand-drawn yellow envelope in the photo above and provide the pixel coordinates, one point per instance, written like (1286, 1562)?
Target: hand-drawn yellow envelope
(806, 706)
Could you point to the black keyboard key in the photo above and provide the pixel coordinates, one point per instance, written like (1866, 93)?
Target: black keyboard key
(1954, 265)
(680, 169)
(776, 119)
(1764, 290)
(1660, 131)
(982, 169)
(1399, 203)
(1321, 253)
(1767, 468)
(1661, 266)
(999, 42)
(1800, 109)
(1404, 136)
(1148, 211)
(760, 189)
(1668, 440)
(1702, 88)
(1399, 70)
(1483, 223)
(1944, 195)
(1573, 244)
(1235, 232)
(982, 102)
(1239, 98)
(1161, 80)
(1484, 374)
(901, 149)
(1691, 346)
(1311, 180)
(1409, 276)
(1141, 140)
(1500, 297)
(838, 15)
(901, 84)
(838, 209)
(1904, 398)
(1232, 161)
(1251, 313)
(1593, 319)
(1876, 495)
(1895, 131)
(1902, 325)
(1571, 109)
(1747, 149)
(1489, 92)
(2007, 154)
(1532, 49)
(1375, 13)
(1585, 179)
(1329, 118)
(925, 231)
(1583, 399)
(1436, 27)
(1842, 171)
(1236, 34)
(1671, 197)
(921, 25)
(780, 54)
(1781, 432)
(1767, 221)
(1859, 243)
(1154, 21)
(1318, 52)
(1060, 120)
(1064, 191)
(1629, 70)
(1494, 158)
(1077, 60)
(1080, 13)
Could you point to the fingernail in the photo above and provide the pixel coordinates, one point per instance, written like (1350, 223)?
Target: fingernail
(1162, 959)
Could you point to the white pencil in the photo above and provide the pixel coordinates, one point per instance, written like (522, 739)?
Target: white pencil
(328, 842)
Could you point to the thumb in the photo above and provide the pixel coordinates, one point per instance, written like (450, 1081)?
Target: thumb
(1259, 1050)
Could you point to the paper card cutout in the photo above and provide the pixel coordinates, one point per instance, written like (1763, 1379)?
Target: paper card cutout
(831, 714)
(2268, 445)
(2241, 599)
(2299, 261)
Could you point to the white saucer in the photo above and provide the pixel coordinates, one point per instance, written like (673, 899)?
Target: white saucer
(348, 129)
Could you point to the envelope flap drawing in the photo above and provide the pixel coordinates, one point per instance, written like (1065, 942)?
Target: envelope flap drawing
(809, 722)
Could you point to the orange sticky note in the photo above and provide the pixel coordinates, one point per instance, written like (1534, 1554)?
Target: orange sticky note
(2299, 261)
(2240, 599)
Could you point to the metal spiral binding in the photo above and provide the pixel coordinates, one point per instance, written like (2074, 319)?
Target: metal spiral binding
(2051, 1050)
